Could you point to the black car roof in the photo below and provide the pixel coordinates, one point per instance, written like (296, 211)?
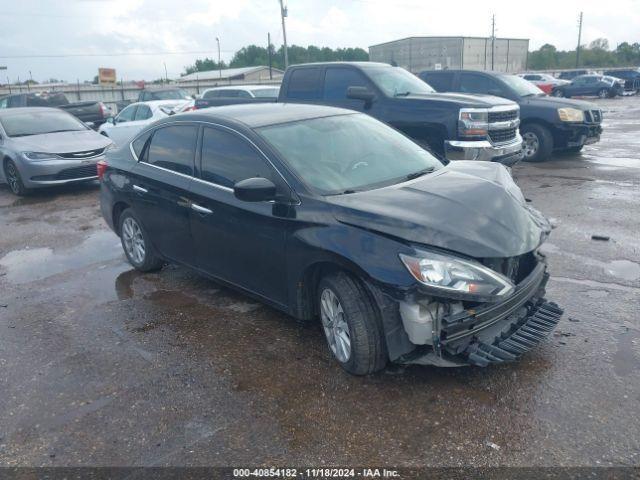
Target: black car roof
(261, 114)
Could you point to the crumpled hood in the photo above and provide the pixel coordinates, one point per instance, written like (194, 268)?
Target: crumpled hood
(473, 208)
(61, 142)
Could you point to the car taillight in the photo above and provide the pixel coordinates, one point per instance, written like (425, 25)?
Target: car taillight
(101, 166)
(189, 109)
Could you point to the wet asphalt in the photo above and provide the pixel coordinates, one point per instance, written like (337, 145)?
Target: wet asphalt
(101, 365)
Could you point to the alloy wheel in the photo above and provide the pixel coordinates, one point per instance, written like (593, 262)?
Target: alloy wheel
(335, 325)
(13, 179)
(531, 144)
(602, 93)
(133, 240)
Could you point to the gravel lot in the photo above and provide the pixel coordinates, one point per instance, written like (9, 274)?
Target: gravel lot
(100, 365)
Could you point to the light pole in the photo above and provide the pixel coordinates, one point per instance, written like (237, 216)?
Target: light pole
(219, 63)
(284, 12)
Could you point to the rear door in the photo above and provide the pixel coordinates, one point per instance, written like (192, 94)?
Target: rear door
(304, 85)
(160, 189)
(240, 242)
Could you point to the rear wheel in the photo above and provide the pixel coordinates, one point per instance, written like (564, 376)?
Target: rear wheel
(351, 324)
(13, 178)
(136, 244)
(537, 142)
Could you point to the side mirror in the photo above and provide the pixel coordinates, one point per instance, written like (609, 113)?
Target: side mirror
(255, 189)
(361, 93)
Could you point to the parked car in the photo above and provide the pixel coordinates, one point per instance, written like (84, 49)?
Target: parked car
(325, 212)
(631, 79)
(544, 81)
(456, 126)
(230, 95)
(42, 146)
(571, 74)
(547, 124)
(92, 113)
(136, 116)
(591, 85)
(155, 94)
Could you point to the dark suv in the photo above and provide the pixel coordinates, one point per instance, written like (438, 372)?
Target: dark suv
(546, 123)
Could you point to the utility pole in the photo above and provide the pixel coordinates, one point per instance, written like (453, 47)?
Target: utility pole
(269, 53)
(493, 39)
(166, 75)
(283, 13)
(579, 39)
(219, 62)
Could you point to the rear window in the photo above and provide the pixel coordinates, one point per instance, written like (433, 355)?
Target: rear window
(304, 83)
(441, 82)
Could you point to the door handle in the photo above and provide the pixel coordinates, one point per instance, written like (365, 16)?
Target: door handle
(199, 209)
(140, 189)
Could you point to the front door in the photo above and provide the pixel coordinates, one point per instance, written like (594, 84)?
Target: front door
(160, 188)
(240, 242)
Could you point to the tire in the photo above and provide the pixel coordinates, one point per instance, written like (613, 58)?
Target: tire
(13, 179)
(355, 315)
(557, 93)
(136, 243)
(603, 93)
(537, 142)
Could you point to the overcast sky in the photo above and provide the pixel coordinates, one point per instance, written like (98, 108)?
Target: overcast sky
(95, 28)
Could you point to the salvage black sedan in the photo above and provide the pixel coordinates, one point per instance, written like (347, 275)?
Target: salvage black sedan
(327, 213)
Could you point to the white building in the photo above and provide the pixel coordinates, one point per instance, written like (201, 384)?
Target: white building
(257, 74)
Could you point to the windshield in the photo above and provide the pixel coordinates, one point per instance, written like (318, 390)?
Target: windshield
(266, 92)
(396, 81)
(177, 94)
(346, 153)
(522, 87)
(40, 122)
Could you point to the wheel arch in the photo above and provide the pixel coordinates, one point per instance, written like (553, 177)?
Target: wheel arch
(116, 211)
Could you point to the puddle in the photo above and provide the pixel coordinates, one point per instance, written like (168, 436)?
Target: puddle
(621, 162)
(625, 269)
(31, 264)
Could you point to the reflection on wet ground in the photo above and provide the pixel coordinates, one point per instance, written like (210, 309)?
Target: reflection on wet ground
(100, 364)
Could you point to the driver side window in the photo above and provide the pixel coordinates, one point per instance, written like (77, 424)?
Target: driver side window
(338, 80)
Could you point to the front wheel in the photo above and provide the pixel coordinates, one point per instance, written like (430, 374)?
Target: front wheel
(351, 324)
(537, 142)
(136, 244)
(13, 178)
(603, 93)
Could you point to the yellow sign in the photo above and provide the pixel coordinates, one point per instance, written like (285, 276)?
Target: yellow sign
(107, 76)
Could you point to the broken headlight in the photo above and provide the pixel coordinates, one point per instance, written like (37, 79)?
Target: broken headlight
(456, 277)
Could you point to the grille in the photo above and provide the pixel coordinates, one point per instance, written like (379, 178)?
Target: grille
(78, 172)
(514, 268)
(503, 135)
(503, 116)
(593, 116)
(80, 155)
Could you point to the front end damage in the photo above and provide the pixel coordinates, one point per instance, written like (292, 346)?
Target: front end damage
(450, 332)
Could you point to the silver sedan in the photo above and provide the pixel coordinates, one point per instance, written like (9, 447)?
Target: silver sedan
(46, 146)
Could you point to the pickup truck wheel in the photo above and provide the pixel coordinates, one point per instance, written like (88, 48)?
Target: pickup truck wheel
(603, 93)
(136, 244)
(537, 143)
(351, 324)
(13, 178)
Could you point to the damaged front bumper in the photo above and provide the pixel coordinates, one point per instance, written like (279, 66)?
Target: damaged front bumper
(484, 334)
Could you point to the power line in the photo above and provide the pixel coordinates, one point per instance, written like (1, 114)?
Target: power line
(117, 54)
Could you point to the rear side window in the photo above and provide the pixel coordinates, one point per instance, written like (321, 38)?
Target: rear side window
(211, 94)
(338, 80)
(228, 158)
(440, 82)
(138, 143)
(304, 83)
(472, 83)
(173, 148)
(143, 113)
